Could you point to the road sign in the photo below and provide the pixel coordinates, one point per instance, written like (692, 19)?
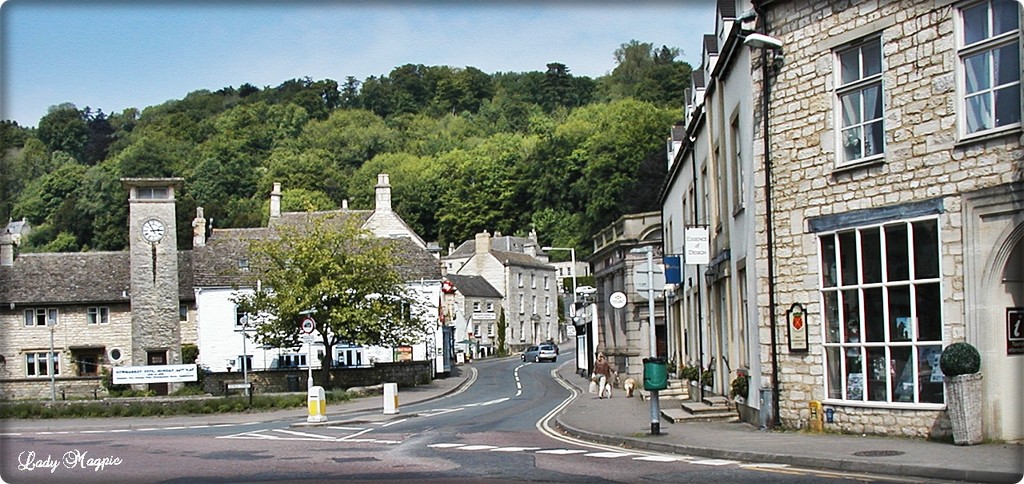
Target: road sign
(617, 300)
(308, 324)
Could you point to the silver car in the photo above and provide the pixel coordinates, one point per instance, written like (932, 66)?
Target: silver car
(539, 353)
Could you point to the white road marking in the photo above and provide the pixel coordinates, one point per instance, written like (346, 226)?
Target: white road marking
(357, 434)
(304, 434)
(484, 404)
(514, 449)
(562, 451)
(355, 429)
(394, 422)
(714, 462)
(478, 447)
(607, 455)
(445, 446)
(657, 458)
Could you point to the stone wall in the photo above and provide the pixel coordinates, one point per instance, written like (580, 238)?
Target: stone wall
(39, 388)
(405, 374)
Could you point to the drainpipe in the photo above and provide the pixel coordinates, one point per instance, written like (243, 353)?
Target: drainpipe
(766, 89)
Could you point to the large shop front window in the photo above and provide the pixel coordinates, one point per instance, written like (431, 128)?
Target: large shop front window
(882, 310)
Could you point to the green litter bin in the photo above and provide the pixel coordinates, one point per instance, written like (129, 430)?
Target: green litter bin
(655, 374)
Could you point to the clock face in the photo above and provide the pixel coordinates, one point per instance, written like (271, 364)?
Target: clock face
(152, 230)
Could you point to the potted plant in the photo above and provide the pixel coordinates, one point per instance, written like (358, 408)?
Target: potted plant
(961, 364)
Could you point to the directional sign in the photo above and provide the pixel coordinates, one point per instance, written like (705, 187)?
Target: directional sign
(308, 324)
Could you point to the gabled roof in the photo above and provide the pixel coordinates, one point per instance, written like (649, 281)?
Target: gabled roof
(78, 278)
(217, 264)
(473, 286)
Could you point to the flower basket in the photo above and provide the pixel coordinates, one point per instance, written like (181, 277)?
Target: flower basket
(963, 393)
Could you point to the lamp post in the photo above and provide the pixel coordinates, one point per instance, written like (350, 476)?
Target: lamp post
(572, 273)
(655, 411)
(52, 323)
(245, 357)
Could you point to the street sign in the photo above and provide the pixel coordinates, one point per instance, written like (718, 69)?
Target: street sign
(617, 300)
(640, 277)
(308, 325)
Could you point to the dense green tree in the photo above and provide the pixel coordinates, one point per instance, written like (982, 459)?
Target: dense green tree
(646, 73)
(311, 170)
(348, 137)
(341, 275)
(63, 128)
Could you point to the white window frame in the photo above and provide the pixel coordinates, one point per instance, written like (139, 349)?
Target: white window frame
(858, 87)
(986, 45)
(239, 314)
(41, 316)
(836, 337)
(36, 365)
(97, 315)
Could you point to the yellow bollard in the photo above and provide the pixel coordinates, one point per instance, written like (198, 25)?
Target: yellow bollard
(317, 404)
(816, 423)
(390, 398)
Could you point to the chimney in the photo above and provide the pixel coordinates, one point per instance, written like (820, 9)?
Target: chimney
(383, 190)
(531, 249)
(199, 229)
(275, 201)
(483, 243)
(6, 250)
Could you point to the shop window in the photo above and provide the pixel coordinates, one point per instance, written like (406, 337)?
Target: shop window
(882, 313)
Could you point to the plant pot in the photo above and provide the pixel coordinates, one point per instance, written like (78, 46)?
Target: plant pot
(963, 404)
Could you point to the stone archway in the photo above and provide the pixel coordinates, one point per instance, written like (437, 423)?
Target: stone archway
(994, 283)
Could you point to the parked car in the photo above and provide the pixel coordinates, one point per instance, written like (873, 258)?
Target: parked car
(539, 353)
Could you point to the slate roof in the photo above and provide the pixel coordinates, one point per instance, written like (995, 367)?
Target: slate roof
(520, 259)
(473, 286)
(217, 264)
(727, 8)
(506, 243)
(710, 44)
(78, 278)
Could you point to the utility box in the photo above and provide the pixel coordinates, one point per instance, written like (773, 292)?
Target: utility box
(655, 374)
(816, 420)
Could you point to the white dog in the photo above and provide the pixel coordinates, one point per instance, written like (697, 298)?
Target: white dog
(629, 386)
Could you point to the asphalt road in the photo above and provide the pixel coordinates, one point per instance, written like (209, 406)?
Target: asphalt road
(496, 430)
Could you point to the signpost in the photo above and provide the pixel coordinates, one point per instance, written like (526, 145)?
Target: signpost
(308, 324)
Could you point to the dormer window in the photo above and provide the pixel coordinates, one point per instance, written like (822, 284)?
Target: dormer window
(243, 265)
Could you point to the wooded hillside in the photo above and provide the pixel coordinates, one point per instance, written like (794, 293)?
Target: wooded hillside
(466, 150)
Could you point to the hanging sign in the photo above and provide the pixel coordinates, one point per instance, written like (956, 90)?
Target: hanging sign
(697, 246)
(797, 333)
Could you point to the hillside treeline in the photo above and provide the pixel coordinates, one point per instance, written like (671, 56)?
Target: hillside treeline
(466, 150)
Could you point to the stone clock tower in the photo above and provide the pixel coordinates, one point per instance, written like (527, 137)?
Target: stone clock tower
(156, 332)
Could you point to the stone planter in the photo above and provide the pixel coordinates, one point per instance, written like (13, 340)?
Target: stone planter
(963, 404)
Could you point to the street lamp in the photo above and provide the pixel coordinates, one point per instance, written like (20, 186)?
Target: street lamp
(572, 273)
(655, 411)
(52, 323)
(245, 357)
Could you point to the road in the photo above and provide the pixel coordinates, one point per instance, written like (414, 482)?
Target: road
(498, 429)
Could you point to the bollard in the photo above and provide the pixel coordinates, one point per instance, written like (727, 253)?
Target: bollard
(390, 398)
(317, 405)
(816, 416)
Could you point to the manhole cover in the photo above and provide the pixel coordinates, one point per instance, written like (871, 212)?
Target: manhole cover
(878, 453)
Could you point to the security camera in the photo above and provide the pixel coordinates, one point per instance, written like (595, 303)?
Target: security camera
(761, 41)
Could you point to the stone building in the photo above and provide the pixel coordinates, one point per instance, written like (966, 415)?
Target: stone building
(623, 334)
(472, 307)
(711, 188)
(895, 208)
(526, 282)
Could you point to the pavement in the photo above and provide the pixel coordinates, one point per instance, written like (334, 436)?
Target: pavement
(586, 417)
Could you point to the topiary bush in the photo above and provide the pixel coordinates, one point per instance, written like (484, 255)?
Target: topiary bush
(960, 359)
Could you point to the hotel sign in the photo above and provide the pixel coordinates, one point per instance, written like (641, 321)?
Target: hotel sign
(132, 375)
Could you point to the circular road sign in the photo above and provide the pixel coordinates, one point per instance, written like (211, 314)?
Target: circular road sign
(308, 324)
(617, 300)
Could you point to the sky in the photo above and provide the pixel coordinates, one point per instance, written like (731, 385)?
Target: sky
(112, 55)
